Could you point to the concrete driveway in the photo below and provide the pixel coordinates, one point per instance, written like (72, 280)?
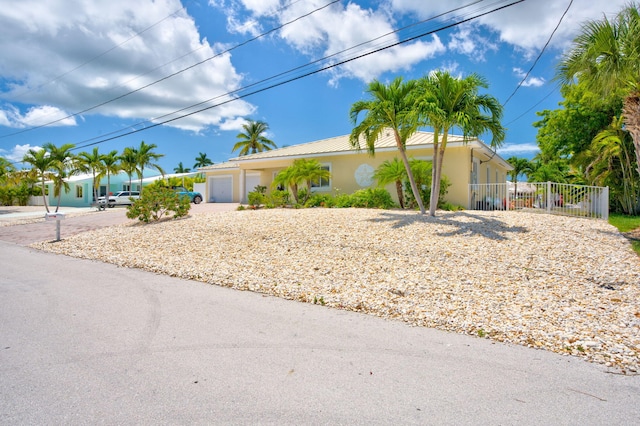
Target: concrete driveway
(83, 342)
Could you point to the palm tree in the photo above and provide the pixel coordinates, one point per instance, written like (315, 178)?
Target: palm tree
(309, 171)
(202, 161)
(391, 109)
(289, 179)
(610, 159)
(520, 166)
(110, 166)
(181, 168)
(252, 139)
(129, 163)
(63, 164)
(606, 57)
(40, 160)
(90, 162)
(146, 158)
(392, 172)
(446, 102)
(6, 168)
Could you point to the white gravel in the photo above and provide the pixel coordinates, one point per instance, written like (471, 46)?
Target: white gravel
(563, 284)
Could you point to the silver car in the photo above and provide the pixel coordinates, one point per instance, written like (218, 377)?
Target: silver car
(121, 198)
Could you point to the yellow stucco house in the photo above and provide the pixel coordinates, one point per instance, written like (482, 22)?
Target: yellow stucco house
(465, 163)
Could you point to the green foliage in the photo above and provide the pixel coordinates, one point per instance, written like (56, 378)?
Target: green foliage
(450, 207)
(277, 198)
(156, 202)
(252, 140)
(257, 197)
(320, 200)
(377, 198)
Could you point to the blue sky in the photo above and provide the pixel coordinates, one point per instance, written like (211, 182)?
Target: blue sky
(64, 62)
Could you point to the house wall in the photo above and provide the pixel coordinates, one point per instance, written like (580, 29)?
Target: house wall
(457, 167)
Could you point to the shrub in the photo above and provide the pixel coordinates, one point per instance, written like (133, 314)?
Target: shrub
(277, 198)
(320, 200)
(372, 198)
(157, 202)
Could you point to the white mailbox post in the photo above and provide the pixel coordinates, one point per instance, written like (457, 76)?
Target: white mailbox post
(57, 216)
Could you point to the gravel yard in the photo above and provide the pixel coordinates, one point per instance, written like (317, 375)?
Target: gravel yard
(562, 284)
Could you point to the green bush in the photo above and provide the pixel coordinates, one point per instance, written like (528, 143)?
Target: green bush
(320, 200)
(277, 198)
(157, 202)
(378, 198)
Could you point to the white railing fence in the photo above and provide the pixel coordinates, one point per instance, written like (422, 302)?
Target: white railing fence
(548, 197)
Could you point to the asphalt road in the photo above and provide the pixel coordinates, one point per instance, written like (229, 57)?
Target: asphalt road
(83, 342)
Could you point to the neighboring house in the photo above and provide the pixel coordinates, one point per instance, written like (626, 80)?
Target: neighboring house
(464, 163)
(80, 193)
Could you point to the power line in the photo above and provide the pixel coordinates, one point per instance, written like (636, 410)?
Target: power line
(289, 80)
(173, 74)
(539, 55)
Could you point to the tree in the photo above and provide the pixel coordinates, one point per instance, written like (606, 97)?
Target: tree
(520, 166)
(90, 162)
(288, 179)
(309, 171)
(202, 161)
(611, 163)
(40, 160)
(606, 57)
(6, 168)
(446, 102)
(390, 109)
(181, 168)
(110, 166)
(392, 172)
(146, 158)
(129, 163)
(252, 139)
(63, 165)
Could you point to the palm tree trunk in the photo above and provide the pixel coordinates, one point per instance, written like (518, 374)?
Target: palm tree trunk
(407, 166)
(433, 199)
(631, 114)
(44, 195)
(400, 193)
(435, 187)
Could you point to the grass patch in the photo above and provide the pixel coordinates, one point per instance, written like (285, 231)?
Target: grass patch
(625, 224)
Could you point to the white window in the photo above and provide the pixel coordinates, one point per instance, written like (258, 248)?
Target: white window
(78, 191)
(324, 184)
(474, 172)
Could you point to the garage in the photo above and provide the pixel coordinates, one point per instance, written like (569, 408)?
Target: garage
(221, 189)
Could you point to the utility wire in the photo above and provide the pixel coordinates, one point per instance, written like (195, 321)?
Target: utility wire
(173, 74)
(539, 55)
(156, 124)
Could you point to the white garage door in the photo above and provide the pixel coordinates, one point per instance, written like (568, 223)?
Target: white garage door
(221, 189)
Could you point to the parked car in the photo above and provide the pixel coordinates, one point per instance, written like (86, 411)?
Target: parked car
(194, 196)
(121, 198)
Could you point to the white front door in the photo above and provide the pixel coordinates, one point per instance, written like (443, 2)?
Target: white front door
(252, 180)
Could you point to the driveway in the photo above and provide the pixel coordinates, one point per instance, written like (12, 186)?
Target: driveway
(76, 220)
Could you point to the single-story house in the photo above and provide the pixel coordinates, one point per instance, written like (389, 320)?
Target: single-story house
(351, 169)
(80, 192)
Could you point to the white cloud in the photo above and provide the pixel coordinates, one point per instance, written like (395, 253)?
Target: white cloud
(16, 154)
(468, 41)
(342, 28)
(510, 149)
(531, 81)
(35, 116)
(49, 54)
(526, 25)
